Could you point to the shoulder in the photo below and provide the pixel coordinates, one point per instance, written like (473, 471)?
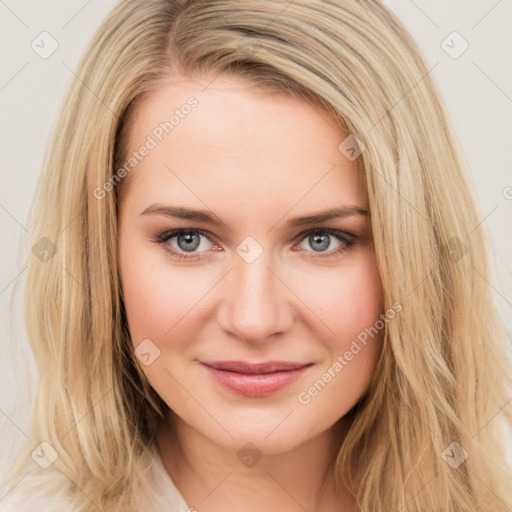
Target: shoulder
(31, 492)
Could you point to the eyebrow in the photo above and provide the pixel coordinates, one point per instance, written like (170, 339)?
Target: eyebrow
(210, 218)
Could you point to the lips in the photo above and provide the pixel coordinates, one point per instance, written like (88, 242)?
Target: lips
(255, 379)
(254, 368)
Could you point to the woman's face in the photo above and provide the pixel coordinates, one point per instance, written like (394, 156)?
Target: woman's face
(257, 285)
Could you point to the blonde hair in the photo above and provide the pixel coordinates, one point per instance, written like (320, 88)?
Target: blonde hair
(443, 373)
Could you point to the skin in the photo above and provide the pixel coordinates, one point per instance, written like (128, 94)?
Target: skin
(256, 161)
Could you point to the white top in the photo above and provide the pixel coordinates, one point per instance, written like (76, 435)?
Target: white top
(164, 495)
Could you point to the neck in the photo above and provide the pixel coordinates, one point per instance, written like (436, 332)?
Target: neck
(211, 477)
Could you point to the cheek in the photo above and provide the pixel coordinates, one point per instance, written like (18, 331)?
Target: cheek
(347, 300)
(156, 294)
(350, 303)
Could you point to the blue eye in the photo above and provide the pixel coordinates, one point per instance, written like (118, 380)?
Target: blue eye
(189, 240)
(320, 240)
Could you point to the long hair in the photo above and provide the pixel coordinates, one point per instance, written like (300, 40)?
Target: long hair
(425, 436)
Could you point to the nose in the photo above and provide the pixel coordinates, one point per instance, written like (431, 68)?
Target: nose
(256, 303)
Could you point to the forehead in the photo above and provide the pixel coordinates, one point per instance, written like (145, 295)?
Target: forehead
(238, 144)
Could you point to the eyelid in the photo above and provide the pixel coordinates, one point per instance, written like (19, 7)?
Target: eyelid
(172, 233)
(321, 229)
(342, 236)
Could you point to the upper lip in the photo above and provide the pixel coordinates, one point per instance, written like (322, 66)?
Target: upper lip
(255, 368)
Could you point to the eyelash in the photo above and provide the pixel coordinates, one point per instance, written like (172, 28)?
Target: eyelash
(345, 238)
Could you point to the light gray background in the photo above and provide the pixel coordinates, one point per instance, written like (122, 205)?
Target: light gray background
(476, 87)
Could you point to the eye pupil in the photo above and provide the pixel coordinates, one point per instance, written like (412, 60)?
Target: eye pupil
(191, 241)
(323, 239)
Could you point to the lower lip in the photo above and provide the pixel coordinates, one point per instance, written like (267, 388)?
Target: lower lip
(256, 385)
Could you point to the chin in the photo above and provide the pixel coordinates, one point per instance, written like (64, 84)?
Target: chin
(261, 443)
